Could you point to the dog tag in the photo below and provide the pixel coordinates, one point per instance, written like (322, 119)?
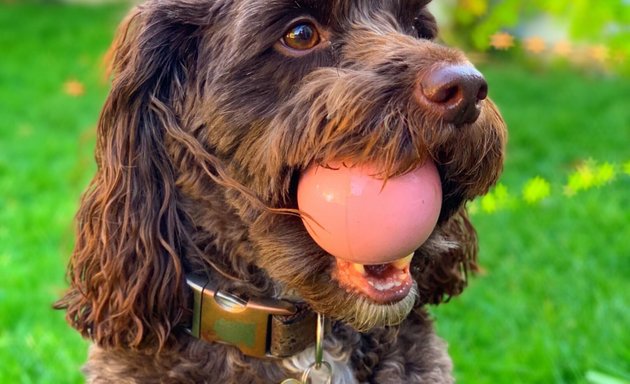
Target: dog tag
(320, 368)
(324, 376)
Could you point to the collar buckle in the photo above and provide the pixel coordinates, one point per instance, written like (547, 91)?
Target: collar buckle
(227, 318)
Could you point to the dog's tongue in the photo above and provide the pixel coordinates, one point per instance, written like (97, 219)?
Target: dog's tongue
(360, 218)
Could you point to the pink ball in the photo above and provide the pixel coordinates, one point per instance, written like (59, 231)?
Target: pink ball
(354, 217)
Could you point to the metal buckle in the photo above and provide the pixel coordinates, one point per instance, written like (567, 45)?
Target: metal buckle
(226, 318)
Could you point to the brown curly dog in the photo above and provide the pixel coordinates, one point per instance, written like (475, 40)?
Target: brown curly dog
(192, 263)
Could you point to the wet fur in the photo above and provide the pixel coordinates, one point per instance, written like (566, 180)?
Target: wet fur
(200, 145)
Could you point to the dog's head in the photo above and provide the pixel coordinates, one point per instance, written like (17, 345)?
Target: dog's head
(216, 109)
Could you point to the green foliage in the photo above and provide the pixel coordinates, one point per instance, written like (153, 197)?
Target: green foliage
(588, 175)
(536, 189)
(496, 200)
(603, 22)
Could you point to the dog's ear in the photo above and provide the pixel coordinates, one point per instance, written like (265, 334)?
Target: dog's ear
(426, 25)
(125, 272)
(443, 270)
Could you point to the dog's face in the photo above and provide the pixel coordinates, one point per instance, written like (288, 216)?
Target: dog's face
(342, 81)
(233, 100)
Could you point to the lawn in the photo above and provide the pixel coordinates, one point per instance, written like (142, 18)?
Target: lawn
(551, 306)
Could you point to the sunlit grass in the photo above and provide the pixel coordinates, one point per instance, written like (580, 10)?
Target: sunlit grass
(45, 161)
(553, 301)
(552, 305)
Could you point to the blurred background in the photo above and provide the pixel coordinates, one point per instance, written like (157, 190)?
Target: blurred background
(552, 303)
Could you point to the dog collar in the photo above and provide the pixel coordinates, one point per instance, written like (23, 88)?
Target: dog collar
(257, 327)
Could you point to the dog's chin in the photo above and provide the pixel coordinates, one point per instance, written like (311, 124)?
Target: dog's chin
(363, 308)
(363, 314)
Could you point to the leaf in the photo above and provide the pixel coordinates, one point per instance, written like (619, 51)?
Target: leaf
(497, 199)
(73, 88)
(489, 203)
(536, 189)
(580, 180)
(475, 7)
(535, 45)
(502, 41)
(605, 174)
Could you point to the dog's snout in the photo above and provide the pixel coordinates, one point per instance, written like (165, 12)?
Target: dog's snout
(453, 92)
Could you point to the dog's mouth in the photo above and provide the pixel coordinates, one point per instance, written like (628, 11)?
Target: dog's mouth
(382, 283)
(370, 227)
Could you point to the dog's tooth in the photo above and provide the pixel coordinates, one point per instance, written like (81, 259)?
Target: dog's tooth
(359, 268)
(373, 284)
(383, 286)
(403, 263)
(397, 283)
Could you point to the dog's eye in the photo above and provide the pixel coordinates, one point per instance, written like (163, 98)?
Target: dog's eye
(302, 36)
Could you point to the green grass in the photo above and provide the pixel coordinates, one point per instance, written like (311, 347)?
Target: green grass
(45, 161)
(552, 305)
(553, 302)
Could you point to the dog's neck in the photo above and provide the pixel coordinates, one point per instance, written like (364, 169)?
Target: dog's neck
(259, 327)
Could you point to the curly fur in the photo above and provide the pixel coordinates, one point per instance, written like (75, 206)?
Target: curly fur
(200, 145)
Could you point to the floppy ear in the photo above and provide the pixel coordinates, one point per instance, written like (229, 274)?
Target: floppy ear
(426, 25)
(125, 273)
(444, 264)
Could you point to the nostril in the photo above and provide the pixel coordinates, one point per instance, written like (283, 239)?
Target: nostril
(482, 94)
(444, 95)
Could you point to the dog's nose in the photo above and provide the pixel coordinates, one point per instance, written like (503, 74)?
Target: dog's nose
(453, 92)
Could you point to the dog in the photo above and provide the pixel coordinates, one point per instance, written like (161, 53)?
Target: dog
(191, 223)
